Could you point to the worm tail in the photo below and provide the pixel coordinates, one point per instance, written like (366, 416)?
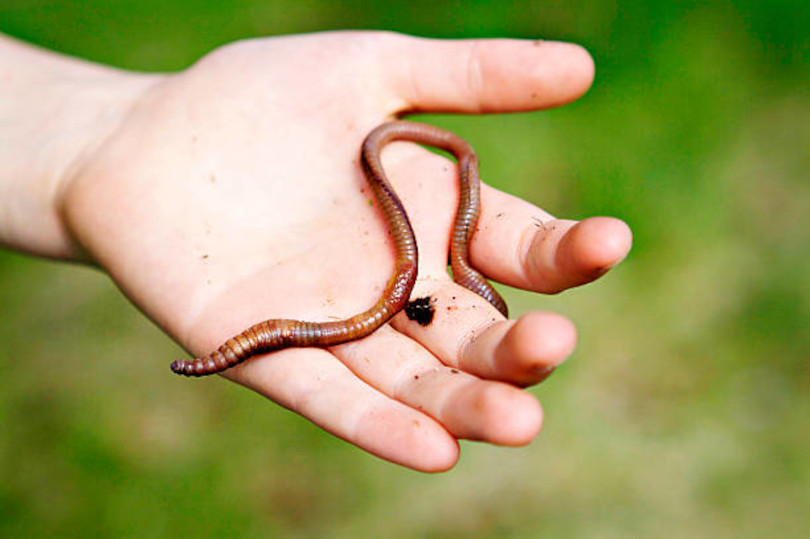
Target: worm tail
(469, 208)
(263, 337)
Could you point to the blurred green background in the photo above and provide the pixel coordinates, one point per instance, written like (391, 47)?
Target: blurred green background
(685, 411)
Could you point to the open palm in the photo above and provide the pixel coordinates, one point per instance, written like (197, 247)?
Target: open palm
(231, 193)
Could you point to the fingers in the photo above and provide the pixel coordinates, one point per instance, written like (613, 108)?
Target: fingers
(518, 244)
(467, 333)
(395, 400)
(311, 382)
(487, 75)
(467, 406)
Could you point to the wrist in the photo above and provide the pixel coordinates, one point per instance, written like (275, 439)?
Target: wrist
(55, 112)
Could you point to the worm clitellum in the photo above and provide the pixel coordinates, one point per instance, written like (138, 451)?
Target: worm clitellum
(277, 334)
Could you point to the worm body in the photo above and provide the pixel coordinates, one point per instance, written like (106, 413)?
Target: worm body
(277, 334)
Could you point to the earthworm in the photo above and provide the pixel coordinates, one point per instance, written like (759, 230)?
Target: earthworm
(277, 334)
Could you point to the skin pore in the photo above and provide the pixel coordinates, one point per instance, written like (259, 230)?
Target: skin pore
(230, 192)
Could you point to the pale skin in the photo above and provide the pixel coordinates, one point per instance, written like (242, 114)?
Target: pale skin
(230, 193)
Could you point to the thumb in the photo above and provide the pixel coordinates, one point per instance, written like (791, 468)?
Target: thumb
(487, 75)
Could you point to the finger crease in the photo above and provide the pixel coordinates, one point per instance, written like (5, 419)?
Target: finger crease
(475, 79)
(465, 344)
(523, 252)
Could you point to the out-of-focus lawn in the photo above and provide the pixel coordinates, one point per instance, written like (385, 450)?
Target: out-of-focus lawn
(685, 412)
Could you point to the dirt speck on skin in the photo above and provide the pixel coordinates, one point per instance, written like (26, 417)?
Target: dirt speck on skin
(421, 310)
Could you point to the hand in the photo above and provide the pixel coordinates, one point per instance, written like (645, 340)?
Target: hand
(231, 193)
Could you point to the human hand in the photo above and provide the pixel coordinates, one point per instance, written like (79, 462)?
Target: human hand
(231, 193)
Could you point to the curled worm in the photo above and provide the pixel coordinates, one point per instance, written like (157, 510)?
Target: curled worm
(277, 334)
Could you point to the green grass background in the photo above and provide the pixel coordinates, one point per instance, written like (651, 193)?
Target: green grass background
(685, 411)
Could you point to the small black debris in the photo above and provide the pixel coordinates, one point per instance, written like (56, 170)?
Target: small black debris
(421, 310)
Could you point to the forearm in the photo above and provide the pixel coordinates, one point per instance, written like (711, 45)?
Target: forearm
(54, 112)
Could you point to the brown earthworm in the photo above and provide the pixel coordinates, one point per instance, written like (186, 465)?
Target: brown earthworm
(277, 334)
